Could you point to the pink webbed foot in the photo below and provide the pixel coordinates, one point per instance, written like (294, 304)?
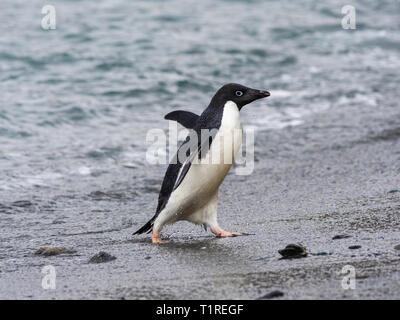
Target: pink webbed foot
(155, 237)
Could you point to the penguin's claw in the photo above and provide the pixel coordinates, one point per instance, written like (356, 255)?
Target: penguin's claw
(220, 233)
(242, 234)
(236, 234)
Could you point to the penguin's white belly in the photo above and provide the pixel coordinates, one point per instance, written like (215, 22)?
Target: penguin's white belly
(196, 197)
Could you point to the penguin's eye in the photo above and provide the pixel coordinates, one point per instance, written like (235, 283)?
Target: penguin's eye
(239, 93)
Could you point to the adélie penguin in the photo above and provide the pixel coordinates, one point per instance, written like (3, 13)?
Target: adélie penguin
(190, 187)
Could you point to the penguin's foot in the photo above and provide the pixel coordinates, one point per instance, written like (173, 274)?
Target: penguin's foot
(221, 233)
(155, 238)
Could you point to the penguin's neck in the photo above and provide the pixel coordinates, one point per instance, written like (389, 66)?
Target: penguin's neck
(231, 116)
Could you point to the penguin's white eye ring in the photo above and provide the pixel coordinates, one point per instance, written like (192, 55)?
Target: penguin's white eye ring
(239, 93)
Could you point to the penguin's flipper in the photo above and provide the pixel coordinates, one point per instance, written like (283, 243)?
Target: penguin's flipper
(185, 118)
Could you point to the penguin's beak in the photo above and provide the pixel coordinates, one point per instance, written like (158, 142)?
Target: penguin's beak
(263, 93)
(259, 94)
(254, 94)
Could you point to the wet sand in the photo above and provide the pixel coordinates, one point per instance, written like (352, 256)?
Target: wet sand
(338, 173)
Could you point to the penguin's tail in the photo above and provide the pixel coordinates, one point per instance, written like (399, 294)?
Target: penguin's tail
(147, 228)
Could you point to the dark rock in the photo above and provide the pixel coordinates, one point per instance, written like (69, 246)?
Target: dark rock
(341, 236)
(53, 251)
(293, 251)
(271, 295)
(102, 257)
(397, 247)
(393, 191)
(321, 253)
(354, 247)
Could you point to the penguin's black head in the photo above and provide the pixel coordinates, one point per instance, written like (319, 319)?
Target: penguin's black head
(239, 94)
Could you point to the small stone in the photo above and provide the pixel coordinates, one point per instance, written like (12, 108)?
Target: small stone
(272, 295)
(53, 251)
(393, 191)
(321, 253)
(354, 247)
(341, 236)
(102, 257)
(293, 251)
(397, 247)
